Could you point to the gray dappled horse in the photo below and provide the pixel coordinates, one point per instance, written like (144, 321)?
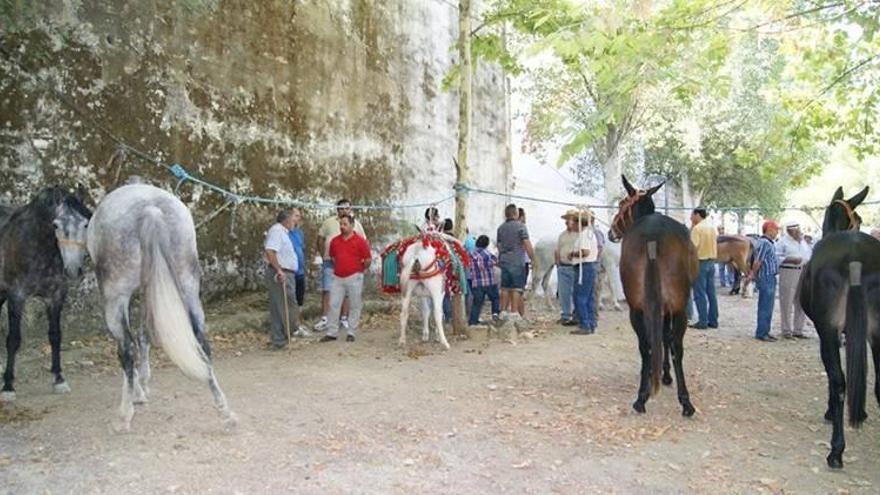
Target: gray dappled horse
(142, 237)
(42, 244)
(839, 291)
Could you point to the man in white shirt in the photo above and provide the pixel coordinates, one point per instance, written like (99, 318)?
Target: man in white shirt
(281, 278)
(583, 260)
(793, 253)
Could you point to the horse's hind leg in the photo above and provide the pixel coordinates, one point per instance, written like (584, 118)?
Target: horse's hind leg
(425, 303)
(667, 346)
(829, 344)
(142, 384)
(679, 325)
(116, 315)
(197, 320)
(635, 317)
(54, 315)
(436, 287)
(13, 342)
(404, 313)
(875, 351)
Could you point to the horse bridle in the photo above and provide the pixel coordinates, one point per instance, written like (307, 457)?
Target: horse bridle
(626, 214)
(853, 224)
(79, 244)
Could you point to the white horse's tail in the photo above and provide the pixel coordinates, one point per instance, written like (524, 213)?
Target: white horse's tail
(166, 313)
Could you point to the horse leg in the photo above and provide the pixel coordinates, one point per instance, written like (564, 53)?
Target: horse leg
(197, 320)
(830, 347)
(875, 351)
(435, 285)
(143, 368)
(426, 304)
(635, 317)
(116, 315)
(404, 313)
(13, 342)
(679, 325)
(667, 346)
(54, 315)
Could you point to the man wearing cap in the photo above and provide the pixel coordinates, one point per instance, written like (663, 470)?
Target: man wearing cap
(566, 243)
(763, 272)
(793, 253)
(705, 238)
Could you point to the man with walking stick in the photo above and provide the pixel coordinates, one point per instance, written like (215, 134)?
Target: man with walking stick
(281, 280)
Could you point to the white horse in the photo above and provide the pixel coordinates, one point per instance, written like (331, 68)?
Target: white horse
(421, 276)
(142, 237)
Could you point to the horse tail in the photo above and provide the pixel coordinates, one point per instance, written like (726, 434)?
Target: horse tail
(165, 310)
(856, 328)
(653, 317)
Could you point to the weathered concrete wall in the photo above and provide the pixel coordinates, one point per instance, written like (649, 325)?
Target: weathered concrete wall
(311, 100)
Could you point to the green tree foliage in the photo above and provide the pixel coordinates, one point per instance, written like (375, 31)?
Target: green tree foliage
(737, 96)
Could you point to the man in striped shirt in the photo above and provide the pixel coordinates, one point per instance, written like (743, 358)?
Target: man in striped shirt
(483, 280)
(763, 272)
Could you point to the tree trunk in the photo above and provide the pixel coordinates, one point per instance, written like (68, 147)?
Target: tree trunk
(611, 165)
(459, 324)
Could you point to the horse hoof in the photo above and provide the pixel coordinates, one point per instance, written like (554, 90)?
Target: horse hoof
(61, 388)
(639, 407)
(122, 426)
(7, 396)
(688, 410)
(401, 343)
(835, 461)
(828, 416)
(231, 420)
(667, 380)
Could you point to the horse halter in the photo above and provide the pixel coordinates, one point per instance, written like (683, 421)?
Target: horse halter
(853, 223)
(625, 214)
(72, 242)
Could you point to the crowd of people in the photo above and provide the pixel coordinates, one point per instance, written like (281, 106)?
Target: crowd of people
(501, 278)
(777, 265)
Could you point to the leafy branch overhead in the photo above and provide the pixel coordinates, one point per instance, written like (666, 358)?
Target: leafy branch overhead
(748, 91)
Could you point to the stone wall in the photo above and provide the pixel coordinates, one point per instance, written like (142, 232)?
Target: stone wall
(312, 100)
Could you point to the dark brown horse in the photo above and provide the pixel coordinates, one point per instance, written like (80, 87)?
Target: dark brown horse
(840, 292)
(736, 250)
(658, 264)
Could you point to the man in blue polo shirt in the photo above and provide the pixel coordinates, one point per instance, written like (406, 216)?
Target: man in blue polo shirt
(763, 272)
(298, 239)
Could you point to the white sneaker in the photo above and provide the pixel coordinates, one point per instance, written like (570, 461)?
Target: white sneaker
(321, 325)
(302, 332)
(344, 322)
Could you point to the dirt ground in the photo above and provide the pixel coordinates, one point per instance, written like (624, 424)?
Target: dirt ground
(545, 415)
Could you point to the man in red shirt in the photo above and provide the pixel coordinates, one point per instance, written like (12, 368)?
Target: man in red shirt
(351, 255)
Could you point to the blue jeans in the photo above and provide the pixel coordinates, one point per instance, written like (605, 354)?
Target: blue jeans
(724, 275)
(480, 294)
(704, 295)
(585, 280)
(447, 308)
(766, 299)
(565, 285)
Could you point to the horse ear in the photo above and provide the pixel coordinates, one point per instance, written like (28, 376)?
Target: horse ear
(858, 198)
(650, 192)
(630, 190)
(838, 194)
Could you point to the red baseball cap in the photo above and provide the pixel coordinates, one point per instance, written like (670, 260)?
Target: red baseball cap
(768, 224)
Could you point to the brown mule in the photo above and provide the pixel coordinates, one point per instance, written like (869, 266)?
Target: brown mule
(736, 250)
(658, 264)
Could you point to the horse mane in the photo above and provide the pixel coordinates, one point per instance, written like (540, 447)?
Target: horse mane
(49, 198)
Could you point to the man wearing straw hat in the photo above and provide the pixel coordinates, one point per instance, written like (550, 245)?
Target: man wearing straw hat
(583, 255)
(281, 279)
(793, 253)
(567, 243)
